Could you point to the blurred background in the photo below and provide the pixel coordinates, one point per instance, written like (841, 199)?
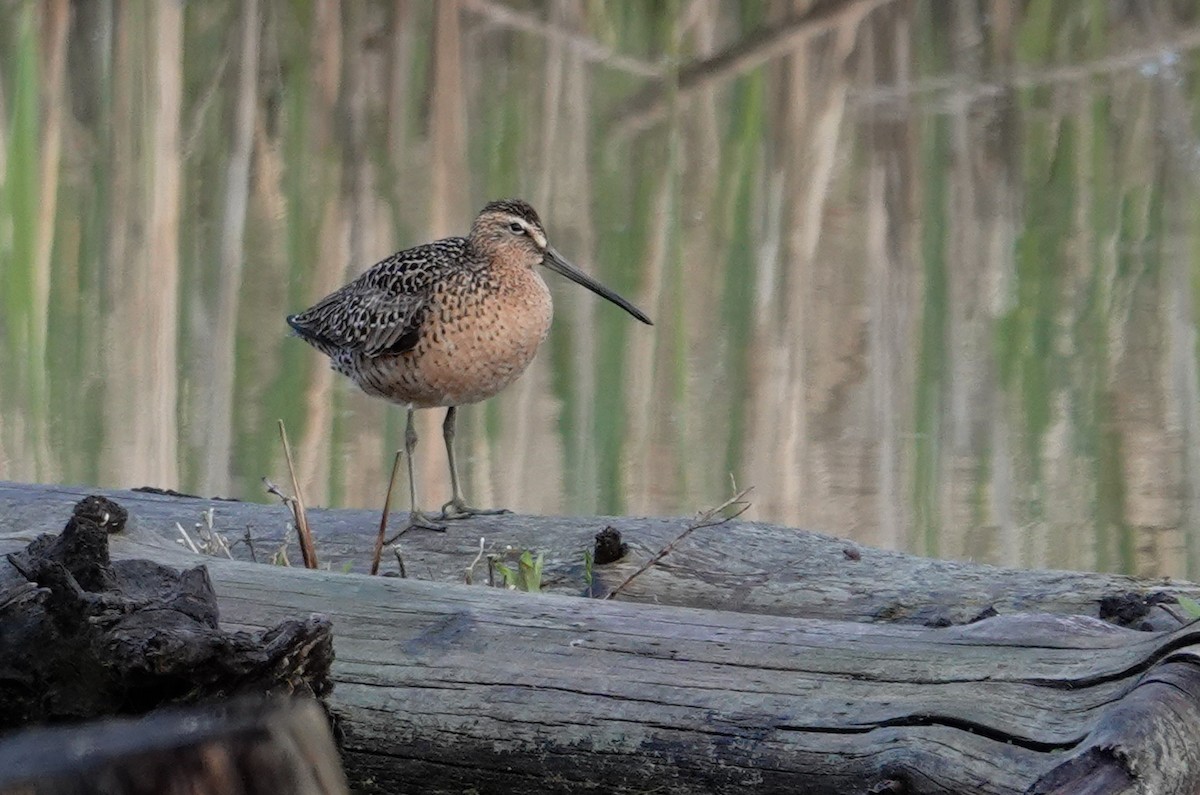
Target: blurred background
(922, 272)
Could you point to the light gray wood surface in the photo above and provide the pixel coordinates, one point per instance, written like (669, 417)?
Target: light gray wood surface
(740, 566)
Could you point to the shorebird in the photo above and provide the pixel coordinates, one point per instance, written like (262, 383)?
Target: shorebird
(446, 324)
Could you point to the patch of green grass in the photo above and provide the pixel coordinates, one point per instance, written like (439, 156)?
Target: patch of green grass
(527, 576)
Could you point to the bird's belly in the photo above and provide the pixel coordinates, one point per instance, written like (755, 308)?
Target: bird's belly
(463, 356)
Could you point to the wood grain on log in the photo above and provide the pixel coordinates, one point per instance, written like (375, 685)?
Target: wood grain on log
(446, 688)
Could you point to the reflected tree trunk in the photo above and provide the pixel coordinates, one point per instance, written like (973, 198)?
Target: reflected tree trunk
(675, 402)
(691, 416)
(783, 279)
(12, 447)
(222, 359)
(160, 279)
(650, 412)
(400, 83)
(316, 449)
(980, 207)
(364, 442)
(1175, 548)
(449, 209)
(141, 428)
(123, 208)
(812, 354)
(892, 279)
(1176, 551)
(56, 20)
(447, 126)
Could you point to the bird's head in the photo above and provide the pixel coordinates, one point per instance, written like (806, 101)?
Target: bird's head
(509, 231)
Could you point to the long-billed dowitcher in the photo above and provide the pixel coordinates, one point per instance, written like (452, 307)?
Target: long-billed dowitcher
(447, 323)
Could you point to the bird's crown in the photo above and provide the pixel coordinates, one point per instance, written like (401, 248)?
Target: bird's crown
(504, 224)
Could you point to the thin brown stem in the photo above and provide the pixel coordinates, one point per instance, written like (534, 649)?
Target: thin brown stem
(307, 551)
(705, 519)
(383, 520)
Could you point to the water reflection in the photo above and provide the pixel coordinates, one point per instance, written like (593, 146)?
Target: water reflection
(921, 272)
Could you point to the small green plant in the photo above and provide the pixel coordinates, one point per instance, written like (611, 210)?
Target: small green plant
(528, 574)
(589, 575)
(1190, 606)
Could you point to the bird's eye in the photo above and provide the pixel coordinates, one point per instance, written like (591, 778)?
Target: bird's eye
(516, 228)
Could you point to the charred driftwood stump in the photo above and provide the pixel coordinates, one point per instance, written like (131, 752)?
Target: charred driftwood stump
(83, 636)
(750, 567)
(446, 688)
(242, 748)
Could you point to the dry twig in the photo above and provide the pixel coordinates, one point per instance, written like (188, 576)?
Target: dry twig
(307, 551)
(186, 538)
(707, 518)
(387, 507)
(471, 568)
(249, 541)
(280, 558)
(212, 542)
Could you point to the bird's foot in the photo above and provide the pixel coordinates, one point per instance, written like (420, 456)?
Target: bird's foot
(457, 509)
(417, 520)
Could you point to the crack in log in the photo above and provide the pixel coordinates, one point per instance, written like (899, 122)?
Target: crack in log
(938, 721)
(1188, 638)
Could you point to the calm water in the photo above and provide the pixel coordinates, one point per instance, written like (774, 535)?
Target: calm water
(923, 274)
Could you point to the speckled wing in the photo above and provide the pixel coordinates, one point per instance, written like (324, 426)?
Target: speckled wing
(382, 310)
(386, 322)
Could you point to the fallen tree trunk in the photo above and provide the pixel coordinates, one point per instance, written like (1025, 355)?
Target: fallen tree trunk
(447, 688)
(748, 567)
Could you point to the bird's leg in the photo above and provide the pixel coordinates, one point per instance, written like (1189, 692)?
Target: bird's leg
(457, 508)
(415, 517)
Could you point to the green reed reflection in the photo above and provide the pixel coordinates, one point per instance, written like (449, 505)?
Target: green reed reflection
(922, 275)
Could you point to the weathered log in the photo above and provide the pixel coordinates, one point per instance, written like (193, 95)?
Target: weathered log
(243, 748)
(741, 566)
(447, 688)
(83, 636)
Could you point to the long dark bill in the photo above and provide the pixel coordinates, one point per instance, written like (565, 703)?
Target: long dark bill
(555, 262)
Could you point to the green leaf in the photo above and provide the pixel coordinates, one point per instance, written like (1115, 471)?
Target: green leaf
(1190, 606)
(508, 575)
(531, 571)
